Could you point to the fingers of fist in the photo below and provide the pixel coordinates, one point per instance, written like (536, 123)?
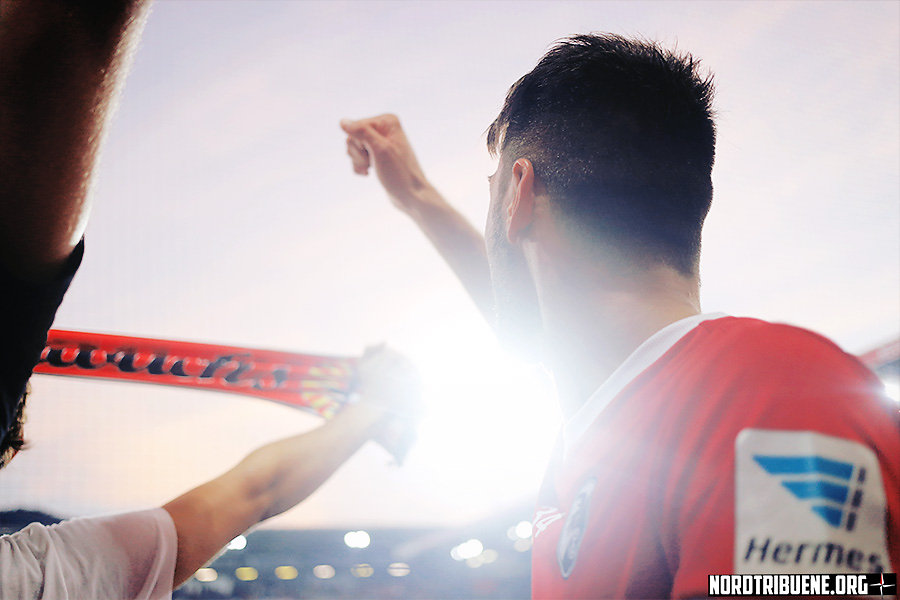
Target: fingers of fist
(359, 156)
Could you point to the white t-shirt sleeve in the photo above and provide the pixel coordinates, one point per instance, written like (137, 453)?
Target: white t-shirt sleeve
(125, 556)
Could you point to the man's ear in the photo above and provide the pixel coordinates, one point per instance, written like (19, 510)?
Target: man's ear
(520, 212)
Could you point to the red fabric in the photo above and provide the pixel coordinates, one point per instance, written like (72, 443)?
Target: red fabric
(319, 384)
(661, 515)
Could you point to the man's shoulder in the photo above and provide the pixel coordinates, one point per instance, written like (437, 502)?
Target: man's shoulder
(114, 556)
(743, 344)
(740, 369)
(764, 335)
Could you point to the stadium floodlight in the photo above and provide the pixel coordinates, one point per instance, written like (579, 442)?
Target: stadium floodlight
(398, 569)
(246, 573)
(238, 543)
(500, 403)
(363, 570)
(523, 545)
(357, 539)
(466, 550)
(523, 530)
(286, 572)
(206, 575)
(323, 571)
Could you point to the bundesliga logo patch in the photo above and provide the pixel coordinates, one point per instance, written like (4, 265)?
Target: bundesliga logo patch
(807, 503)
(824, 483)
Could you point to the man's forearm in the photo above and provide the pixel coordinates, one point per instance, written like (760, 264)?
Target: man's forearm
(61, 65)
(380, 142)
(285, 472)
(458, 242)
(269, 481)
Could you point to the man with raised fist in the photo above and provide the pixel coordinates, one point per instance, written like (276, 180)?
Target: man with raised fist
(693, 443)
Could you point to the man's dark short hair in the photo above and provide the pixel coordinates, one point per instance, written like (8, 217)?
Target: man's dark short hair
(621, 134)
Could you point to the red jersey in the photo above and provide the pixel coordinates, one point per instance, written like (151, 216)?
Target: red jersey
(721, 445)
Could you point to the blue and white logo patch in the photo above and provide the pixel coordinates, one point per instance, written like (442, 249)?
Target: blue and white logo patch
(807, 503)
(823, 483)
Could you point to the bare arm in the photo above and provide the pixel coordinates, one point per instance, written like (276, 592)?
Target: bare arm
(279, 475)
(61, 65)
(269, 481)
(381, 142)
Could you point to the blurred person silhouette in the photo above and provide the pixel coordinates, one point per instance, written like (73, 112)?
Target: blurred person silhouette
(61, 67)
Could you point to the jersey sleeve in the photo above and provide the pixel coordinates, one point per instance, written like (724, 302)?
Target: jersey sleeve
(789, 465)
(126, 556)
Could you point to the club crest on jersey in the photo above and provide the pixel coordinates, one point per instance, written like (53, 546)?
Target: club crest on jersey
(574, 528)
(543, 518)
(806, 502)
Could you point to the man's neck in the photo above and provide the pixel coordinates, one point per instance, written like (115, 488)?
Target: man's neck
(591, 329)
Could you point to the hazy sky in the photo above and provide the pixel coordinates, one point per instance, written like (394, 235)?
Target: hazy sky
(226, 211)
